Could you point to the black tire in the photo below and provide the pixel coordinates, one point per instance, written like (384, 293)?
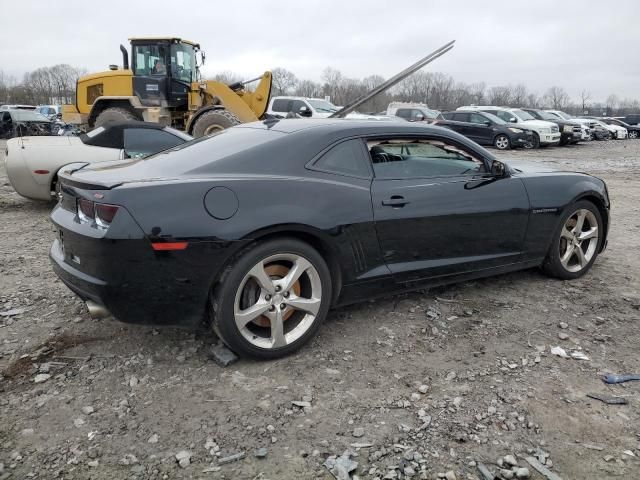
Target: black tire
(552, 265)
(502, 142)
(536, 141)
(633, 134)
(116, 114)
(213, 121)
(223, 296)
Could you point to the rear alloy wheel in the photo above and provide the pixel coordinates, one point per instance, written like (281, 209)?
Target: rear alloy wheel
(633, 134)
(577, 243)
(502, 142)
(273, 299)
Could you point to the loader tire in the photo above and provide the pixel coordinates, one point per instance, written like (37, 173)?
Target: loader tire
(115, 114)
(214, 121)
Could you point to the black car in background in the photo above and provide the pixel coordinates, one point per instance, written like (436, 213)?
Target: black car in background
(634, 130)
(570, 132)
(632, 119)
(24, 123)
(486, 129)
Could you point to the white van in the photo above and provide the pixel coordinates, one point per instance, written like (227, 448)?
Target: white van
(305, 107)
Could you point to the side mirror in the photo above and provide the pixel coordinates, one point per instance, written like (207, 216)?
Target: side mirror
(498, 169)
(513, 120)
(487, 123)
(419, 117)
(304, 112)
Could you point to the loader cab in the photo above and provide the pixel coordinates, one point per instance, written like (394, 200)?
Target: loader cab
(163, 71)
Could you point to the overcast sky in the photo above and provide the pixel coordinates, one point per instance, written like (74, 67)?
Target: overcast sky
(579, 45)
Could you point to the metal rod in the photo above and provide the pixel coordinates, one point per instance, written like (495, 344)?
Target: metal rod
(393, 80)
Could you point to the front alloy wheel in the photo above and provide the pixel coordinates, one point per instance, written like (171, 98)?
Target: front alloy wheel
(272, 299)
(633, 134)
(577, 242)
(502, 142)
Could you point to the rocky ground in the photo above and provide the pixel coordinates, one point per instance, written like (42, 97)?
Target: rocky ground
(426, 385)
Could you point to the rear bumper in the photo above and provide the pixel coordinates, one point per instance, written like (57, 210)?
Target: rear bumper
(120, 271)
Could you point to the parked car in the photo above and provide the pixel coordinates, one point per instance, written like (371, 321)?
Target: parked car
(17, 107)
(544, 133)
(632, 119)
(302, 106)
(486, 129)
(345, 211)
(633, 130)
(412, 112)
(32, 163)
(616, 132)
(50, 111)
(570, 131)
(18, 123)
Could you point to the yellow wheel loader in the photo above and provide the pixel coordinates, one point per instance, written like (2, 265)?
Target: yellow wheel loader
(163, 85)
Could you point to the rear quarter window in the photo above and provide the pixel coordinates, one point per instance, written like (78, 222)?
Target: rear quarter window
(281, 105)
(346, 158)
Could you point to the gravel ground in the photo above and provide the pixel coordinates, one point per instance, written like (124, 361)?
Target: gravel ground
(422, 385)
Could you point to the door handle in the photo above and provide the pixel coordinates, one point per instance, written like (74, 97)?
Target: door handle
(396, 201)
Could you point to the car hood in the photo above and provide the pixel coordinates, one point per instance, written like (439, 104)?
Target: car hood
(537, 124)
(523, 166)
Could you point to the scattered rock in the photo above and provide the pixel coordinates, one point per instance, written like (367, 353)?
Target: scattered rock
(183, 457)
(423, 388)
(88, 410)
(450, 475)
(340, 467)
(231, 458)
(301, 404)
(153, 438)
(358, 432)
(563, 336)
(41, 378)
(133, 381)
(506, 474)
(260, 452)
(522, 472)
(563, 325)
(78, 422)
(510, 460)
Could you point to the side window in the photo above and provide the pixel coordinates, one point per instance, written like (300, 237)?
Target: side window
(448, 115)
(506, 116)
(477, 118)
(404, 113)
(281, 105)
(417, 115)
(398, 159)
(296, 105)
(149, 60)
(461, 117)
(141, 142)
(344, 159)
(6, 117)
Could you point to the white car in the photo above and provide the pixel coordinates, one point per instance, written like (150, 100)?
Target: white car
(32, 163)
(544, 133)
(302, 106)
(617, 132)
(412, 112)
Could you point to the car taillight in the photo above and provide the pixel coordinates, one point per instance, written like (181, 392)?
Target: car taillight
(86, 210)
(100, 213)
(105, 214)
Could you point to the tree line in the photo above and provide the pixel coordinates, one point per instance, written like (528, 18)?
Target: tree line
(57, 84)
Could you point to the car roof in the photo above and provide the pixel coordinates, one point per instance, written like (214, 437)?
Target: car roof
(111, 135)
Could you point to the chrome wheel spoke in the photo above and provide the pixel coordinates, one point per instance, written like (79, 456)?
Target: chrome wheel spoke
(260, 276)
(591, 233)
(579, 222)
(582, 260)
(299, 267)
(309, 305)
(567, 255)
(277, 329)
(566, 233)
(245, 316)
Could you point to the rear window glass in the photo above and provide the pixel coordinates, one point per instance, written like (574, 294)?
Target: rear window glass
(346, 158)
(282, 105)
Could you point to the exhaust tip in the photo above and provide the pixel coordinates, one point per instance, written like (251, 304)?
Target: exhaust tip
(97, 311)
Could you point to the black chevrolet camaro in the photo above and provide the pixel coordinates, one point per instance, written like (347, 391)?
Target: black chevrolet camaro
(259, 230)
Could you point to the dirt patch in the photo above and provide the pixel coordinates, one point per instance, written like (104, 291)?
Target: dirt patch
(411, 386)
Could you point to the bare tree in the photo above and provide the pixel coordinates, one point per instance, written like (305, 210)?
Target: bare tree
(500, 95)
(585, 96)
(557, 98)
(612, 103)
(308, 88)
(519, 95)
(227, 77)
(284, 81)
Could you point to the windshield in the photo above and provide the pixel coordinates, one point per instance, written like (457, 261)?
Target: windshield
(183, 62)
(522, 115)
(563, 115)
(323, 105)
(494, 119)
(28, 116)
(546, 115)
(428, 113)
